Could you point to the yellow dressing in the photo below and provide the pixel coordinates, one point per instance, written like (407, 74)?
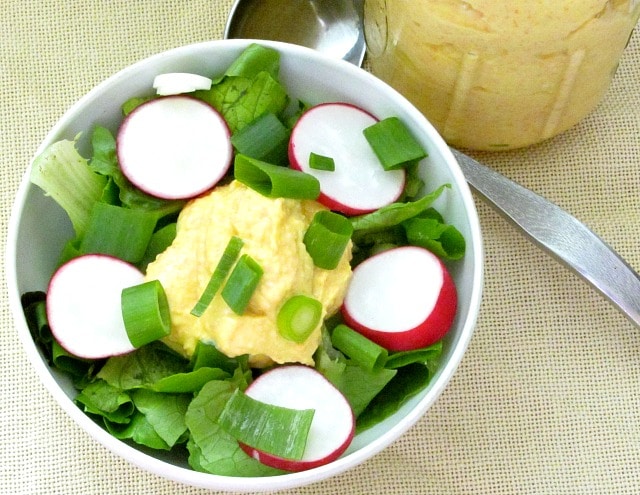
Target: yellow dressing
(272, 231)
(497, 74)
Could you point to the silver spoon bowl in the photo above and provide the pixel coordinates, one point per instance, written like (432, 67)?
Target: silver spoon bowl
(336, 29)
(329, 26)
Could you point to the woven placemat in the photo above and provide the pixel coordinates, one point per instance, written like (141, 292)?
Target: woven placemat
(547, 399)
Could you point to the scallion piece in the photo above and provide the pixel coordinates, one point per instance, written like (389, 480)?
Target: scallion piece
(359, 348)
(277, 430)
(321, 162)
(145, 311)
(222, 269)
(393, 143)
(274, 181)
(120, 232)
(298, 317)
(242, 283)
(266, 138)
(327, 237)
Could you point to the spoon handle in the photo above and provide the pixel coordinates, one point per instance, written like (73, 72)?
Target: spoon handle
(558, 232)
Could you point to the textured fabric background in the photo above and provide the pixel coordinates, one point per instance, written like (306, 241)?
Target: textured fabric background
(547, 399)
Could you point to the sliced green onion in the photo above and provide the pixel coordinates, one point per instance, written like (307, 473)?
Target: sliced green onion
(145, 311)
(327, 237)
(298, 317)
(359, 348)
(277, 430)
(120, 232)
(320, 162)
(222, 269)
(274, 181)
(242, 283)
(393, 143)
(266, 138)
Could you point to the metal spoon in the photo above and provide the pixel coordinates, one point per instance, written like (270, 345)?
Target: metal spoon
(329, 26)
(337, 31)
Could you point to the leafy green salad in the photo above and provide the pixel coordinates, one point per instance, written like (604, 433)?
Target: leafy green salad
(155, 397)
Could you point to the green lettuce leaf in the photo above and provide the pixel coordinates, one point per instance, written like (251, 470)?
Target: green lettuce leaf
(395, 213)
(241, 100)
(428, 356)
(62, 173)
(101, 399)
(329, 361)
(442, 239)
(164, 412)
(360, 386)
(408, 382)
(140, 430)
(253, 60)
(207, 355)
(105, 162)
(191, 381)
(142, 368)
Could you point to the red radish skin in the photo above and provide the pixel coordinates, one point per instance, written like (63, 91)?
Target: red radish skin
(174, 147)
(84, 308)
(359, 184)
(402, 299)
(302, 387)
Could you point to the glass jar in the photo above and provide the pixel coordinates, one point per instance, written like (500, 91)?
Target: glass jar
(499, 74)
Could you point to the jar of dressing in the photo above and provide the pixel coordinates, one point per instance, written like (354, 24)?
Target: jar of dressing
(499, 74)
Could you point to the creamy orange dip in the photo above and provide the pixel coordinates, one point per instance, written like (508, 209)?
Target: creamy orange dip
(272, 231)
(498, 74)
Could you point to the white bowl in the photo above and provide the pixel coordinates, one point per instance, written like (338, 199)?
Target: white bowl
(39, 228)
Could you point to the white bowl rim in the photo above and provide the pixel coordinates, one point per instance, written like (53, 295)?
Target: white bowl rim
(228, 483)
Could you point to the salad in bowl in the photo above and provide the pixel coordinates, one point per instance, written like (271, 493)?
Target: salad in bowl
(244, 266)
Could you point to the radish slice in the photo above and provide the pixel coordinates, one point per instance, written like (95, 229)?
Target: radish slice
(302, 387)
(175, 147)
(359, 184)
(83, 305)
(402, 299)
(173, 83)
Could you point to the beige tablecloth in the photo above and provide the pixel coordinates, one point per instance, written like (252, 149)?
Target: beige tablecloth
(547, 399)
